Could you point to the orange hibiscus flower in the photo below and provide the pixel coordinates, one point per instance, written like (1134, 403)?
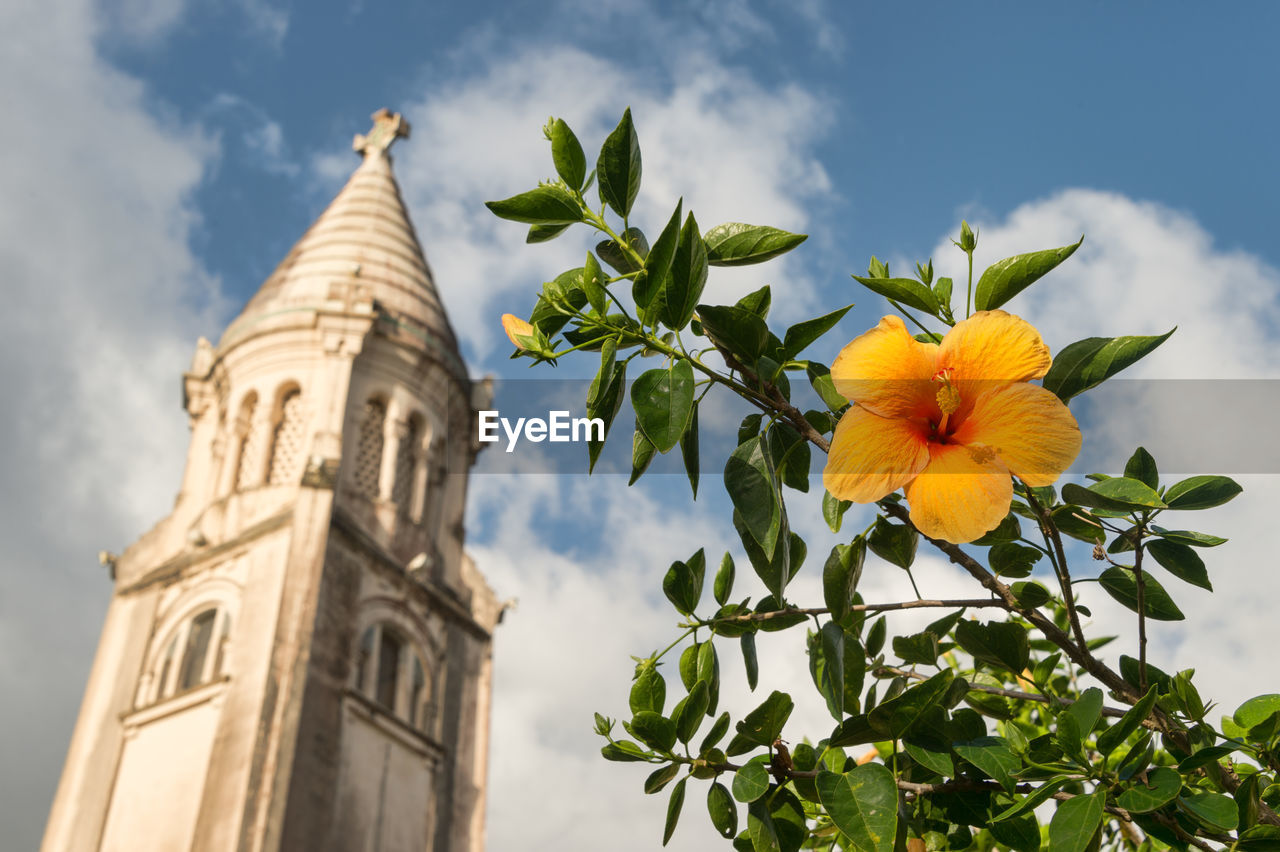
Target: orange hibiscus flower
(949, 423)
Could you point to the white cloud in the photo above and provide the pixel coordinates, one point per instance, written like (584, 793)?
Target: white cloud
(147, 22)
(103, 305)
(257, 133)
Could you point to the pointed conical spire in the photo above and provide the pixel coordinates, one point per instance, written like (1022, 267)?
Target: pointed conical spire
(363, 244)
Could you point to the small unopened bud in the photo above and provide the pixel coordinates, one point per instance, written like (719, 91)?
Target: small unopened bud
(925, 272)
(968, 240)
(519, 332)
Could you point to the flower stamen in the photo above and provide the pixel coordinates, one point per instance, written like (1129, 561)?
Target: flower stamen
(948, 398)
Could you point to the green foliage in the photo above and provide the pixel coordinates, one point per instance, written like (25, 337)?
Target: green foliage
(989, 716)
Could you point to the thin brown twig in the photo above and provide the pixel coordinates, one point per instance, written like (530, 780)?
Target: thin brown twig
(1059, 560)
(1141, 586)
(962, 603)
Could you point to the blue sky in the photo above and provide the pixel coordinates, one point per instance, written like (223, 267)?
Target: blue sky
(165, 154)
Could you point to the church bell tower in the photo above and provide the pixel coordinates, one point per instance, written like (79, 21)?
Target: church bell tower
(298, 657)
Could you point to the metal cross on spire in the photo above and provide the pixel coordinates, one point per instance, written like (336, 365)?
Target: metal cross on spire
(388, 126)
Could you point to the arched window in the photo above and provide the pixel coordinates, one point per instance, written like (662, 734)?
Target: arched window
(286, 443)
(249, 439)
(391, 671)
(406, 464)
(202, 657)
(369, 441)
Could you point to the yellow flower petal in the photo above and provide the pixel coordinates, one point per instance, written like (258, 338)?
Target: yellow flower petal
(887, 371)
(872, 456)
(1029, 428)
(993, 346)
(963, 493)
(516, 328)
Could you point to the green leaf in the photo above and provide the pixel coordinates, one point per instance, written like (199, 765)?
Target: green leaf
(689, 451)
(663, 402)
(606, 407)
(875, 636)
(1087, 709)
(736, 330)
(1021, 834)
(833, 509)
(895, 717)
(1079, 524)
(618, 167)
(660, 778)
(544, 233)
(1161, 788)
(546, 205)
(624, 751)
(593, 280)
(1075, 822)
(1180, 561)
(722, 587)
(1212, 810)
(932, 755)
(688, 277)
(1090, 362)
(749, 481)
(908, 291)
(820, 379)
(840, 576)
(718, 729)
(724, 814)
(802, 334)
(1033, 800)
(757, 301)
(1256, 710)
(1129, 669)
(657, 263)
(1031, 594)
(791, 456)
(641, 454)
(1142, 467)
(693, 708)
(648, 690)
(750, 660)
(1120, 584)
(566, 153)
(673, 810)
(739, 244)
(894, 543)
(1009, 559)
(654, 730)
(998, 643)
(763, 725)
(750, 782)
(863, 804)
(1201, 492)
(1006, 278)
(1194, 539)
(608, 360)
(942, 293)
(826, 666)
(1118, 494)
(683, 583)
(1110, 739)
(993, 756)
(1260, 838)
(855, 671)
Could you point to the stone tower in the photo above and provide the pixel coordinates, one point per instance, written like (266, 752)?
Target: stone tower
(298, 657)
